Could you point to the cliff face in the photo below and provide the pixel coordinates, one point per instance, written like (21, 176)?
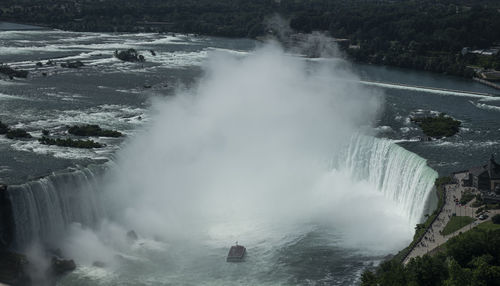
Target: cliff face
(6, 219)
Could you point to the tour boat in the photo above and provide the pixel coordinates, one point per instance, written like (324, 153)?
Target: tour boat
(236, 253)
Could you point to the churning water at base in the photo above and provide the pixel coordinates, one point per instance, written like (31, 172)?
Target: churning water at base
(44, 208)
(278, 254)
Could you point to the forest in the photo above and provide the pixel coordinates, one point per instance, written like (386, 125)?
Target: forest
(425, 34)
(469, 259)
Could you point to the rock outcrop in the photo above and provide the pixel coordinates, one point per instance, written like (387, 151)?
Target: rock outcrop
(132, 236)
(17, 133)
(12, 73)
(130, 55)
(13, 268)
(6, 219)
(60, 266)
(72, 65)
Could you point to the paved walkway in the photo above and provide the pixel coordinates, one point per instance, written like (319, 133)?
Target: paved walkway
(433, 237)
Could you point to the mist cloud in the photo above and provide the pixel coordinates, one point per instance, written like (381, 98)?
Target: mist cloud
(249, 148)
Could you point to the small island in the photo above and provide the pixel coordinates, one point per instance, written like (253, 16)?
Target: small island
(72, 65)
(130, 55)
(17, 133)
(438, 127)
(93, 130)
(68, 142)
(12, 73)
(13, 133)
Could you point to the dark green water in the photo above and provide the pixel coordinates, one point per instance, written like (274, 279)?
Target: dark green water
(114, 95)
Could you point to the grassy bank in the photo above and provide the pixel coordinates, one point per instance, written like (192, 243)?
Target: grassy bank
(456, 223)
(489, 225)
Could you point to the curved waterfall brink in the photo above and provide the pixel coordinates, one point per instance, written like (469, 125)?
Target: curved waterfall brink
(399, 174)
(42, 209)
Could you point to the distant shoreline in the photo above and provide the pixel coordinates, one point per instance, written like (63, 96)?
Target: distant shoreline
(11, 26)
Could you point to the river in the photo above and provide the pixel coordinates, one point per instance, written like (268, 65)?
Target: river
(124, 96)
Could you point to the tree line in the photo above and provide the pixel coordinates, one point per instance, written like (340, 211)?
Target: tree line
(470, 259)
(423, 34)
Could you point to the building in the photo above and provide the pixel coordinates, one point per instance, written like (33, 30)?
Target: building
(486, 177)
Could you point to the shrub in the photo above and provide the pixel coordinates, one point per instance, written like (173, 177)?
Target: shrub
(496, 219)
(467, 197)
(441, 126)
(93, 130)
(68, 142)
(72, 65)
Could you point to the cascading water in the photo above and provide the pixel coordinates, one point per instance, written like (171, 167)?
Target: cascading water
(42, 209)
(399, 174)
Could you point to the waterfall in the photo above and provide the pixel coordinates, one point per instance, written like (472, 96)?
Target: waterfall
(399, 174)
(42, 209)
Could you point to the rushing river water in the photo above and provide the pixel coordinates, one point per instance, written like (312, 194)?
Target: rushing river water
(119, 95)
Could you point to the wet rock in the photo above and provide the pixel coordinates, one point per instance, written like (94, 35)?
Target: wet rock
(132, 236)
(152, 52)
(17, 133)
(3, 128)
(61, 266)
(11, 73)
(6, 219)
(130, 55)
(13, 268)
(72, 65)
(39, 64)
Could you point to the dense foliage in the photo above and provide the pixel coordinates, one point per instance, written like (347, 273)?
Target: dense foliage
(424, 34)
(472, 258)
(68, 142)
(441, 126)
(93, 130)
(496, 219)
